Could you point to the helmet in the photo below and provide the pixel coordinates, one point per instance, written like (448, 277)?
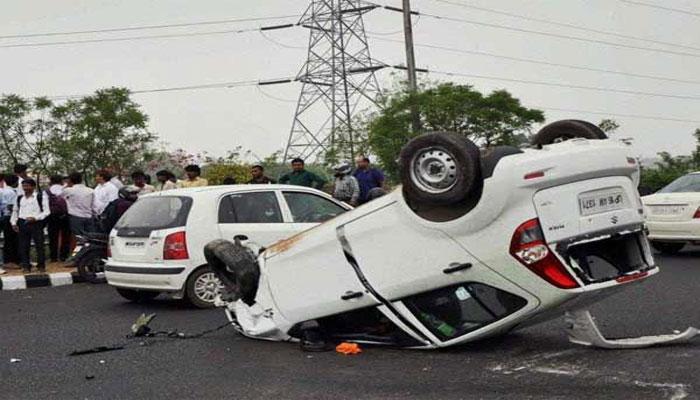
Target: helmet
(129, 193)
(343, 168)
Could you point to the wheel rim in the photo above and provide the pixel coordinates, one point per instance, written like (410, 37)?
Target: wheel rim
(206, 287)
(434, 170)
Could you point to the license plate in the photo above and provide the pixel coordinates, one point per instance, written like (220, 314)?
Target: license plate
(601, 201)
(668, 210)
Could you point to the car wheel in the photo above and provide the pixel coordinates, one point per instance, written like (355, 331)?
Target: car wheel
(566, 129)
(668, 248)
(440, 168)
(202, 287)
(137, 296)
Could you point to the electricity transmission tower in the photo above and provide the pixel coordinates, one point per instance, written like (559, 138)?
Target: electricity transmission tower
(338, 76)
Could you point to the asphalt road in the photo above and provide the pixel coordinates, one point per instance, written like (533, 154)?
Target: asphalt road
(41, 326)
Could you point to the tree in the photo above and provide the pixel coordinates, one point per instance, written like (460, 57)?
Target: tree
(103, 130)
(25, 127)
(669, 168)
(494, 119)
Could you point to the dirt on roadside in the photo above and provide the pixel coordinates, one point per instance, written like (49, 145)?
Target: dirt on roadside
(15, 270)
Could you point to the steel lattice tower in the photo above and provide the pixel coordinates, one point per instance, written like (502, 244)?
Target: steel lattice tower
(338, 76)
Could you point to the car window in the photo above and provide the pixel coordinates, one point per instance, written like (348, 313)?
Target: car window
(456, 310)
(244, 208)
(684, 184)
(310, 208)
(155, 213)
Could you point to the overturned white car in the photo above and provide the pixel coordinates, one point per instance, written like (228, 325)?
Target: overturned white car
(475, 244)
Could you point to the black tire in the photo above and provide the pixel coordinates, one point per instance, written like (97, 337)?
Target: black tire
(668, 248)
(137, 296)
(89, 266)
(237, 268)
(440, 154)
(193, 296)
(567, 129)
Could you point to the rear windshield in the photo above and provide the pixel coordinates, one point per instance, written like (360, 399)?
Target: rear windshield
(684, 184)
(154, 213)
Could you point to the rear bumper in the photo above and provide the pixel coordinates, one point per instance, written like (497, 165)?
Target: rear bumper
(170, 278)
(681, 231)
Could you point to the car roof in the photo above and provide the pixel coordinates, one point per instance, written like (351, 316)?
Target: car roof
(220, 189)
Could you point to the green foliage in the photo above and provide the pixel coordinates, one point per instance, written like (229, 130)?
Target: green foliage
(217, 172)
(497, 118)
(669, 168)
(104, 130)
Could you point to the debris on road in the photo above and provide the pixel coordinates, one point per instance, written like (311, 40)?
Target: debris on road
(15, 360)
(140, 327)
(99, 349)
(582, 329)
(348, 348)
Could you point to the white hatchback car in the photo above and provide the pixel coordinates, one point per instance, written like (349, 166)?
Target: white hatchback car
(475, 244)
(157, 245)
(673, 214)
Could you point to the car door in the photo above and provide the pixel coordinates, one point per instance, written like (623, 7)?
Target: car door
(255, 214)
(307, 210)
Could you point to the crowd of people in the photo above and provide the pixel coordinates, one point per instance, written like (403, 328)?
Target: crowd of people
(68, 208)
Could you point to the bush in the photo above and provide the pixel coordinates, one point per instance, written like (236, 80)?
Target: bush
(216, 173)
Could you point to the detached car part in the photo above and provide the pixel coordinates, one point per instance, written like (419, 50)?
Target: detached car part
(583, 330)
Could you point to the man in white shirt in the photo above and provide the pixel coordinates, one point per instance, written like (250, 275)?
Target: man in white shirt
(105, 192)
(9, 199)
(139, 179)
(27, 220)
(116, 182)
(79, 200)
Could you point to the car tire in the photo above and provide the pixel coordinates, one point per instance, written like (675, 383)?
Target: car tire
(137, 296)
(567, 129)
(237, 268)
(202, 287)
(440, 168)
(668, 248)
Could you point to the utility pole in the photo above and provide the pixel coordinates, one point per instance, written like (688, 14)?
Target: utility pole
(411, 63)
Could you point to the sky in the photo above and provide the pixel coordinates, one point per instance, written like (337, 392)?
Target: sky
(216, 120)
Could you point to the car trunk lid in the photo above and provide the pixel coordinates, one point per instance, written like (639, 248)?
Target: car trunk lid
(672, 207)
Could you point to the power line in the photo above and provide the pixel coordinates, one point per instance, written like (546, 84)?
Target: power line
(556, 35)
(621, 115)
(540, 62)
(129, 38)
(565, 25)
(144, 27)
(219, 85)
(676, 10)
(563, 85)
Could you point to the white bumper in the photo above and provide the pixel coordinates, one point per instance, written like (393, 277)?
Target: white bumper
(681, 231)
(156, 277)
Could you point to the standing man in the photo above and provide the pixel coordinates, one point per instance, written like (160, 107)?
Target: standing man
(346, 187)
(105, 192)
(58, 224)
(9, 199)
(79, 200)
(21, 173)
(140, 183)
(193, 178)
(301, 177)
(257, 173)
(164, 182)
(368, 178)
(27, 220)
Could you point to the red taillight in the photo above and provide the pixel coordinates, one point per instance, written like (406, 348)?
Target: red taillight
(697, 213)
(530, 249)
(175, 247)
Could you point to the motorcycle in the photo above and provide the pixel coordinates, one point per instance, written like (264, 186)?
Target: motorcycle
(90, 255)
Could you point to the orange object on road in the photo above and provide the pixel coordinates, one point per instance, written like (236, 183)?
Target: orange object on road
(348, 348)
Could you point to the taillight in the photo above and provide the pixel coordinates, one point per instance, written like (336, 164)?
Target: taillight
(697, 213)
(530, 249)
(175, 247)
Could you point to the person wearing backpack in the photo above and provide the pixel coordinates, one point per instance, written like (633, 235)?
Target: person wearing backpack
(27, 220)
(58, 223)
